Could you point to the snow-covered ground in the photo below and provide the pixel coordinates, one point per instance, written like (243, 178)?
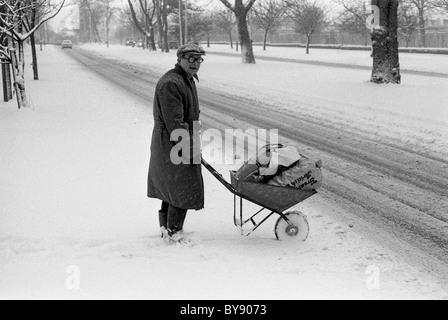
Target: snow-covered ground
(75, 222)
(408, 61)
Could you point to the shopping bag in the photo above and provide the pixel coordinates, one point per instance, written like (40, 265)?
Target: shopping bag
(306, 174)
(269, 160)
(280, 157)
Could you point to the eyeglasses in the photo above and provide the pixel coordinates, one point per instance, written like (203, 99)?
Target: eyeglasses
(193, 59)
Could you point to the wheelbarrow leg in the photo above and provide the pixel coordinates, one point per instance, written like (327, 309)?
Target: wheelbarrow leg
(239, 222)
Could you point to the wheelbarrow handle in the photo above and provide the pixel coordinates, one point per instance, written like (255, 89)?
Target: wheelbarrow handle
(218, 176)
(211, 169)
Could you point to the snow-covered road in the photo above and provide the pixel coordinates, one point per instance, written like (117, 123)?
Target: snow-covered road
(357, 247)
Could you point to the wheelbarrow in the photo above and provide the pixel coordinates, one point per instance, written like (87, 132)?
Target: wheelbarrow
(290, 226)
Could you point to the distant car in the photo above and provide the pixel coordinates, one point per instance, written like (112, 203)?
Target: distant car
(67, 44)
(130, 43)
(140, 44)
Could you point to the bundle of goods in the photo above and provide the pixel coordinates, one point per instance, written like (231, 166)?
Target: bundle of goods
(282, 166)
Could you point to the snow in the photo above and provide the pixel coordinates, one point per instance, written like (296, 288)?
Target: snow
(322, 92)
(75, 222)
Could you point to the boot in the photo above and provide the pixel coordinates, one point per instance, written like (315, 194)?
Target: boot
(163, 221)
(176, 220)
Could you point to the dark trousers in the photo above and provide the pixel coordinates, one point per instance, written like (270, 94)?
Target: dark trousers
(172, 218)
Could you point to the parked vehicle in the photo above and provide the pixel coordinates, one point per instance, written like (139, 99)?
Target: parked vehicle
(67, 44)
(129, 43)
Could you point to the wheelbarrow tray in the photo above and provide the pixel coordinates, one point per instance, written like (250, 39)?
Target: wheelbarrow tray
(277, 199)
(273, 198)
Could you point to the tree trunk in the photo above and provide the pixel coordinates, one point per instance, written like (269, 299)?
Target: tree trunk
(422, 27)
(107, 22)
(308, 41)
(97, 34)
(7, 87)
(265, 39)
(386, 66)
(33, 46)
(151, 40)
(166, 47)
(160, 25)
(245, 41)
(231, 40)
(181, 24)
(33, 51)
(19, 75)
(93, 22)
(107, 36)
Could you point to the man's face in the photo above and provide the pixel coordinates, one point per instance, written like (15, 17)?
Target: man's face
(191, 68)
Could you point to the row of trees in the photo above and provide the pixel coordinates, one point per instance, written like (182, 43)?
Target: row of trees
(149, 16)
(97, 15)
(19, 20)
(152, 19)
(308, 17)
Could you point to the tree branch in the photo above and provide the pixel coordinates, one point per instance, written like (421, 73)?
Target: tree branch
(228, 5)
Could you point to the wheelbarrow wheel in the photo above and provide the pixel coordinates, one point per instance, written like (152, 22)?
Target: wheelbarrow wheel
(298, 230)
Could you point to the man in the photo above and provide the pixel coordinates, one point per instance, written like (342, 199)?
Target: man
(180, 186)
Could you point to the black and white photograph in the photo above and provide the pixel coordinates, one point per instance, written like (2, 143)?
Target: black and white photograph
(224, 154)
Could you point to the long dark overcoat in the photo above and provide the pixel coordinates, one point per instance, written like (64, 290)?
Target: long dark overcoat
(176, 106)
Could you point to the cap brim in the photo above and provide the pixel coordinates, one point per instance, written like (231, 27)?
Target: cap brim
(194, 53)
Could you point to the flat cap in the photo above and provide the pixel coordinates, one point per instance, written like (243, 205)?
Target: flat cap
(190, 48)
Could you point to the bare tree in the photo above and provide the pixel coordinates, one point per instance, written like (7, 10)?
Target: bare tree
(386, 64)
(222, 19)
(96, 11)
(309, 17)
(145, 24)
(109, 14)
(200, 26)
(29, 22)
(241, 9)
(125, 24)
(423, 8)
(408, 22)
(353, 17)
(268, 15)
(163, 9)
(12, 26)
